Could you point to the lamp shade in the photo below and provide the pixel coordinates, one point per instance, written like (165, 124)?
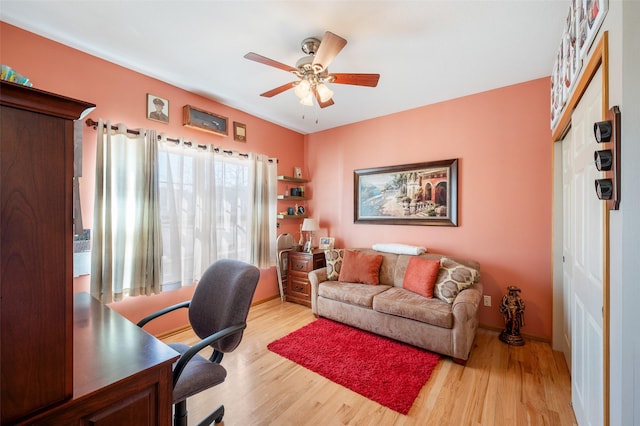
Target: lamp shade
(324, 92)
(310, 225)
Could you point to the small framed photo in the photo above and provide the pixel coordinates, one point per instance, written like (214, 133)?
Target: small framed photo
(157, 108)
(239, 132)
(326, 243)
(307, 247)
(297, 172)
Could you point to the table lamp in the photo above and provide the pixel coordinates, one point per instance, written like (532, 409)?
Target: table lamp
(309, 225)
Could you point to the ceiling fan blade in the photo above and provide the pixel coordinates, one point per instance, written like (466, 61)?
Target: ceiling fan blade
(266, 61)
(370, 80)
(278, 90)
(322, 104)
(330, 46)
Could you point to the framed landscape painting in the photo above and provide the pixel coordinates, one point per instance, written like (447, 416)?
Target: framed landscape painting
(410, 194)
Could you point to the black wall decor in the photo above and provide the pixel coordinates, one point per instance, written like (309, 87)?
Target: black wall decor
(607, 160)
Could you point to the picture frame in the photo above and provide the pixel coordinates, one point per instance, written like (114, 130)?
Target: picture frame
(200, 119)
(410, 194)
(307, 247)
(239, 132)
(326, 243)
(589, 17)
(297, 172)
(157, 108)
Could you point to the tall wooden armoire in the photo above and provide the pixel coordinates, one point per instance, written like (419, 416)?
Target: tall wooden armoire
(36, 252)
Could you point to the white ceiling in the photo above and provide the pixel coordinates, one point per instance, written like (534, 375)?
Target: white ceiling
(425, 51)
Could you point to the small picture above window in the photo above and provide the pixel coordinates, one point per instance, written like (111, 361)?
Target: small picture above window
(157, 108)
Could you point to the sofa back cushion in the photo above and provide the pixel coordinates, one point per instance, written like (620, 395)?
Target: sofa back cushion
(359, 267)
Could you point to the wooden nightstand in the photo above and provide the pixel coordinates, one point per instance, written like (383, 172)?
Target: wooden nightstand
(300, 264)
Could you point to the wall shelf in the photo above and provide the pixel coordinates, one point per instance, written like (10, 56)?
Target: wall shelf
(292, 179)
(291, 198)
(291, 216)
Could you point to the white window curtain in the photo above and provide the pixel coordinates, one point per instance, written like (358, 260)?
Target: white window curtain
(263, 227)
(214, 204)
(187, 199)
(127, 245)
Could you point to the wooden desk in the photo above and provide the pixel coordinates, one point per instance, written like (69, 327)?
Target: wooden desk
(121, 374)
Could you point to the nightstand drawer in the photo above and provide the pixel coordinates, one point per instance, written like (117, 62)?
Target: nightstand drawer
(299, 288)
(301, 264)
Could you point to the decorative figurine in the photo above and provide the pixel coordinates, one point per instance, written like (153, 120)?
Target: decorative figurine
(512, 307)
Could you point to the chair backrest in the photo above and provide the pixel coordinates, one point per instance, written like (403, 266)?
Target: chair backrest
(222, 298)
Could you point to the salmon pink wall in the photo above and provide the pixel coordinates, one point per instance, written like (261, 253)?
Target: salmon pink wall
(120, 96)
(501, 138)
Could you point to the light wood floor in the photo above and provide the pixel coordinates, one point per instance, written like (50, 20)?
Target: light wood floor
(500, 385)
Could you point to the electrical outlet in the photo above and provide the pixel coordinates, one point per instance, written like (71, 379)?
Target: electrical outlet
(487, 300)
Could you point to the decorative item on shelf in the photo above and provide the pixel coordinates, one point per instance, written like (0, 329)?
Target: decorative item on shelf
(309, 225)
(512, 307)
(297, 172)
(9, 74)
(290, 211)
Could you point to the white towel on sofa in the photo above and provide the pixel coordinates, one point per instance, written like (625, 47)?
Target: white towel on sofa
(399, 248)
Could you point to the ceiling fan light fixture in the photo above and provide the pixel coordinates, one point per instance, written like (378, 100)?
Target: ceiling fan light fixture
(307, 100)
(324, 92)
(303, 89)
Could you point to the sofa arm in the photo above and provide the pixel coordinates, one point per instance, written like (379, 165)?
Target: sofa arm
(315, 278)
(465, 320)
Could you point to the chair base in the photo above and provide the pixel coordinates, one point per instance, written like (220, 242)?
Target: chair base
(215, 417)
(180, 415)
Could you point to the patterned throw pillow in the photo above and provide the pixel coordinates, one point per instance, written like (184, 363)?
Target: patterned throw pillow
(333, 259)
(452, 279)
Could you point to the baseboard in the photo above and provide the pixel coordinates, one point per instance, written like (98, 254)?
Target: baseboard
(525, 335)
(173, 332)
(268, 299)
(179, 330)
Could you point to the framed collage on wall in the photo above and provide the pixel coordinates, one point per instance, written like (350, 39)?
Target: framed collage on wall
(582, 24)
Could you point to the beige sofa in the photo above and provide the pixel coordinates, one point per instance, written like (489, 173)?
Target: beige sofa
(390, 310)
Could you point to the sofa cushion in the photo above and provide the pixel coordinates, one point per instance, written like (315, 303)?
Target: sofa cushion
(452, 279)
(333, 259)
(407, 304)
(358, 267)
(421, 275)
(352, 293)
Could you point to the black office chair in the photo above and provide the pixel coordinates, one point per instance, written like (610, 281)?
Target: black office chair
(218, 314)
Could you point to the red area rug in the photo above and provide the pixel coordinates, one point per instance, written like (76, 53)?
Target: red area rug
(383, 370)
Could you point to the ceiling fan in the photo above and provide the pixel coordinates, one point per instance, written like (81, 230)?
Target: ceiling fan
(313, 72)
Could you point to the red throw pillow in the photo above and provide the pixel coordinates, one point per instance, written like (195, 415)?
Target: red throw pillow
(421, 276)
(358, 267)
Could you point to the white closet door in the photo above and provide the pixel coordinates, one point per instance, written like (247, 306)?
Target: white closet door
(583, 254)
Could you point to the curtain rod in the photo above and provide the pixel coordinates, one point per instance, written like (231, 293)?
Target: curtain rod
(90, 123)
